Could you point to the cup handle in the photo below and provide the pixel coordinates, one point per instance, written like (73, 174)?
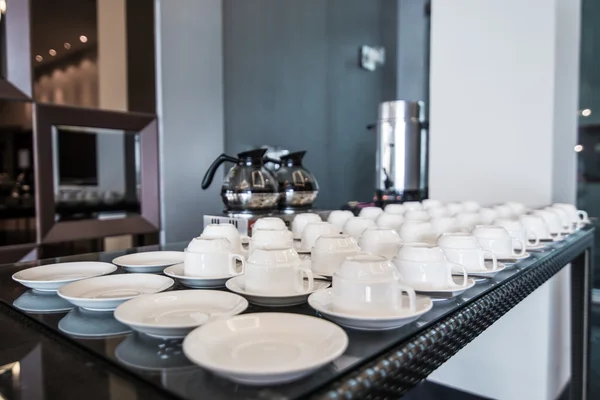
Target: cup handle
(582, 215)
(522, 250)
(299, 284)
(536, 238)
(451, 266)
(412, 297)
(233, 257)
(494, 260)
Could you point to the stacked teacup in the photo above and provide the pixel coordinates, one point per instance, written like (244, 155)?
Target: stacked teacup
(227, 231)
(497, 240)
(464, 249)
(212, 257)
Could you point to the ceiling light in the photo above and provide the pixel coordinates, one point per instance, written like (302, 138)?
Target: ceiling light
(83, 39)
(39, 58)
(52, 52)
(67, 46)
(587, 112)
(578, 148)
(2, 6)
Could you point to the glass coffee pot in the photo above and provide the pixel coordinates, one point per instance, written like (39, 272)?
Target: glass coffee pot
(248, 186)
(298, 187)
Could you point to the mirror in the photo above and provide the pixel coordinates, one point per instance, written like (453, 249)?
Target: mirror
(96, 173)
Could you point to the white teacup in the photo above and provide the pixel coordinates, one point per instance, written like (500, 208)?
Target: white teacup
(312, 231)
(464, 249)
(518, 232)
(424, 266)
(454, 208)
(227, 231)
(339, 217)
(330, 251)
(487, 215)
(466, 221)
(432, 203)
(505, 211)
(271, 238)
(470, 206)
(277, 271)
(416, 215)
(497, 240)
(578, 217)
(355, 226)
(417, 232)
(516, 207)
(369, 285)
(535, 225)
(380, 242)
(441, 225)
(387, 220)
(211, 257)
(436, 212)
(370, 212)
(301, 220)
(268, 223)
(395, 209)
(412, 205)
(552, 221)
(565, 219)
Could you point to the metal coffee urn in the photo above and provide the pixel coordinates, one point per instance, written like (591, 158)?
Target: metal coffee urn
(402, 152)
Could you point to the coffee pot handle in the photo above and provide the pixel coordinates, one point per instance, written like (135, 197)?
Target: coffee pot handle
(494, 260)
(463, 270)
(412, 297)
(233, 258)
(210, 173)
(299, 283)
(536, 238)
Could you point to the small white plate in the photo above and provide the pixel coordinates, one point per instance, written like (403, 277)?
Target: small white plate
(105, 293)
(176, 272)
(265, 348)
(512, 259)
(151, 261)
(174, 314)
(36, 302)
(48, 278)
(539, 247)
(82, 323)
(447, 291)
(322, 301)
(487, 273)
(237, 285)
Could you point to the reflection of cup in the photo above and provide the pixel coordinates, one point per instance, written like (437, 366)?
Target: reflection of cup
(370, 285)
(380, 241)
(227, 231)
(153, 354)
(518, 232)
(301, 220)
(387, 220)
(416, 215)
(535, 225)
(312, 231)
(268, 223)
(339, 217)
(271, 238)
(355, 226)
(395, 209)
(464, 249)
(277, 271)
(207, 257)
(330, 251)
(370, 212)
(497, 240)
(417, 231)
(424, 265)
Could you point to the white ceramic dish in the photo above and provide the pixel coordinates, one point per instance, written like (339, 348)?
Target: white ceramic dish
(322, 301)
(82, 323)
(174, 314)
(513, 258)
(105, 293)
(48, 278)
(451, 291)
(265, 348)
(177, 272)
(236, 285)
(151, 261)
(36, 302)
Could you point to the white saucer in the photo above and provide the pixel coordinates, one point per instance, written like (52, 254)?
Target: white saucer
(539, 247)
(151, 261)
(82, 323)
(174, 314)
(513, 258)
(445, 292)
(322, 301)
(265, 348)
(48, 278)
(237, 285)
(487, 273)
(105, 293)
(36, 302)
(176, 271)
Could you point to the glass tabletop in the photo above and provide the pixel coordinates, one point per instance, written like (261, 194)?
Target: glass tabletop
(162, 362)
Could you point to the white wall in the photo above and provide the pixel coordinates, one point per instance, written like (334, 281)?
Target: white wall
(503, 124)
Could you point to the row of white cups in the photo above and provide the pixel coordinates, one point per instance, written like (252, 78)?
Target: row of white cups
(385, 266)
